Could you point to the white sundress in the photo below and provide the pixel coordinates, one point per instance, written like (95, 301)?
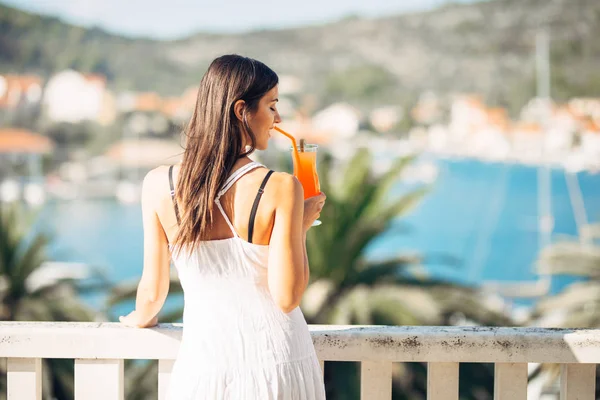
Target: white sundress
(237, 344)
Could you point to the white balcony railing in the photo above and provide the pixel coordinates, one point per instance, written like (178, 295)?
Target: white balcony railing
(100, 348)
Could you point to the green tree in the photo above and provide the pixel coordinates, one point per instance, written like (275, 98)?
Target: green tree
(366, 84)
(26, 297)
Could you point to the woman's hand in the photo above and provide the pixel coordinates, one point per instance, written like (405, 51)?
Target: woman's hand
(133, 319)
(312, 210)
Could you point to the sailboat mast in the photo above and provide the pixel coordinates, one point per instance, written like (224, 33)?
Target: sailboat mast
(545, 218)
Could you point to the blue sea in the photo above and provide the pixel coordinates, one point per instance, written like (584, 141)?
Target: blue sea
(478, 223)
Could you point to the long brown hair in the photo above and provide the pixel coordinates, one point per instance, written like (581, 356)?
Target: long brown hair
(215, 138)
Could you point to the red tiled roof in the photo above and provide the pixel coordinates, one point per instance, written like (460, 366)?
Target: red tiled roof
(17, 82)
(171, 106)
(527, 127)
(148, 101)
(145, 152)
(95, 78)
(592, 126)
(498, 117)
(22, 141)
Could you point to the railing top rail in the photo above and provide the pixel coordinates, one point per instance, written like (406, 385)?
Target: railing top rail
(109, 340)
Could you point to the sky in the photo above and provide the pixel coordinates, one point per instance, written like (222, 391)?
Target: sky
(170, 19)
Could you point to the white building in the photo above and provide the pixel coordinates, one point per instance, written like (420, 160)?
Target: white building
(437, 138)
(490, 143)
(385, 118)
(560, 131)
(537, 110)
(586, 107)
(467, 116)
(340, 120)
(73, 97)
(590, 143)
(527, 141)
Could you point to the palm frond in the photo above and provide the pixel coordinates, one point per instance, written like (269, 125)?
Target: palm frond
(356, 174)
(23, 252)
(9, 237)
(363, 196)
(386, 304)
(62, 305)
(591, 231)
(364, 231)
(570, 258)
(370, 273)
(576, 306)
(141, 380)
(32, 257)
(379, 192)
(326, 168)
(70, 308)
(123, 292)
(352, 308)
(391, 177)
(471, 303)
(335, 245)
(60, 374)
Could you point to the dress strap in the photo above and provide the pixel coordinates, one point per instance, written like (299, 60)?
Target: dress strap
(218, 202)
(261, 190)
(173, 193)
(237, 174)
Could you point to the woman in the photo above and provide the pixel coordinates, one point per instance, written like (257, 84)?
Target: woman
(237, 236)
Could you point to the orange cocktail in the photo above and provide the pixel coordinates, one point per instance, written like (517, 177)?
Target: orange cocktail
(305, 169)
(305, 166)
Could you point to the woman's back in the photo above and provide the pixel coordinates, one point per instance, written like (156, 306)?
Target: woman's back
(232, 326)
(237, 203)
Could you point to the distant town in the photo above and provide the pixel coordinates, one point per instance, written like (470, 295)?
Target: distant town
(142, 129)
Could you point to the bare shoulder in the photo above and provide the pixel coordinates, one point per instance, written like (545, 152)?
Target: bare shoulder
(155, 185)
(157, 177)
(286, 186)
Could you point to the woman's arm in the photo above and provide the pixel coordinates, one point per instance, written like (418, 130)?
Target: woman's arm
(288, 272)
(154, 284)
(312, 211)
(306, 268)
(287, 252)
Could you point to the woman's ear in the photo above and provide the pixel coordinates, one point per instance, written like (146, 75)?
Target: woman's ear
(238, 108)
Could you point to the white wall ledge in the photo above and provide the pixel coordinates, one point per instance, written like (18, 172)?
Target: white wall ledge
(333, 343)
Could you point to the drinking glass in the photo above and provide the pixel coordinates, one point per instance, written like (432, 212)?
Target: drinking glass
(305, 169)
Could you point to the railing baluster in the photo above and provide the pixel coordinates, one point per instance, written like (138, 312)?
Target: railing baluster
(510, 381)
(165, 367)
(375, 380)
(577, 381)
(99, 379)
(24, 376)
(442, 381)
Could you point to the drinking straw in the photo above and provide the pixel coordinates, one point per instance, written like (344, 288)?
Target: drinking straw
(293, 139)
